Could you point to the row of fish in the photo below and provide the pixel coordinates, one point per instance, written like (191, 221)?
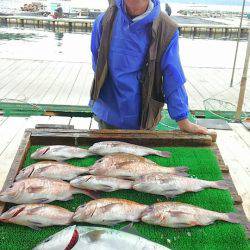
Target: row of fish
(111, 211)
(105, 176)
(62, 153)
(125, 166)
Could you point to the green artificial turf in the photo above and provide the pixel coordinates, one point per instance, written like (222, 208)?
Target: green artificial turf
(202, 164)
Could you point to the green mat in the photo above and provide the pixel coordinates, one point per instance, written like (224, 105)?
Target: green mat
(202, 164)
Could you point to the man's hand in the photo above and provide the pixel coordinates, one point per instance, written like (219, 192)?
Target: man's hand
(187, 126)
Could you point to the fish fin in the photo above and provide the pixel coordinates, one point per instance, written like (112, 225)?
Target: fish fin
(33, 210)
(35, 189)
(95, 235)
(164, 154)
(92, 194)
(184, 225)
(231, 217)
(130, 229)
(194, 223)
(220, 185)
(39, 201)
(181, 174)
(176, 213)
(108, 207)
(107, 188)
(181, 169)
(113, 222)
(42, 169)
(28, 170)
(121, 164)
(34, 225)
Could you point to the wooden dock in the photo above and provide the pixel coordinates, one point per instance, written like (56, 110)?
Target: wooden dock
(67, 83)
(68, 24)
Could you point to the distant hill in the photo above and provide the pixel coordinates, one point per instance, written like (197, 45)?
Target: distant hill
(207, 2)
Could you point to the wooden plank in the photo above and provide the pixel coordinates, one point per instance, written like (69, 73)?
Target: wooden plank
(45, 84)
(85, 94)
(5, 64)
(236, 154)
(237, 198)
(10, 87)
(59, 120)
(35, 83)
(21, 88)
(19, 69)
(67, 85)
(10, 70)
(57, 85)
(8, 131)
(53, 126)
(83, 123)
(76, 93)
(17, 163)
(242, 132)
(149, 138)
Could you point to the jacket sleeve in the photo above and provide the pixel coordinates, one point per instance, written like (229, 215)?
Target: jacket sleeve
(95, 39)
(173, 81)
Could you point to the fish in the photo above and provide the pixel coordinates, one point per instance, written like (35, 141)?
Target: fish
(180, 215)
(60, 153)
(100, 183)
(51, 169)
(112, 147)
(93, 238)
(41, 190)
(112, 166)
(109, 211)
(171, 185)
(36, 216)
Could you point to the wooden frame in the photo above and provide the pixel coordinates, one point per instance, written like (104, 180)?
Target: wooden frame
(51, 134)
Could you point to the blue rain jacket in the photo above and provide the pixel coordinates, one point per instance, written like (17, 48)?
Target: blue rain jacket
(119, 103)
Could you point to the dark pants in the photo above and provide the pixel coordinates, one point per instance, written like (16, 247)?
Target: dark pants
(103, 125)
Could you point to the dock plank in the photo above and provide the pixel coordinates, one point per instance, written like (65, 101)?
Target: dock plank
(236, 155)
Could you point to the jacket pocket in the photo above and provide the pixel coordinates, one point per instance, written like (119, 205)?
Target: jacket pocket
(154, 114)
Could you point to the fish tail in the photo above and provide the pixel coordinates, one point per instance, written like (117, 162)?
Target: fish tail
(231, 217)
(164, 154)
(220, 185)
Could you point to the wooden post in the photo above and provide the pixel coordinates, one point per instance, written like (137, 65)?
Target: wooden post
(238, 41)
(243, 82)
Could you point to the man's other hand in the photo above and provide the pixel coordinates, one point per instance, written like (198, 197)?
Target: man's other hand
(187, 126)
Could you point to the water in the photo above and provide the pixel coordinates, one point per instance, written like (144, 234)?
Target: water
(44, 45)
(14, 5)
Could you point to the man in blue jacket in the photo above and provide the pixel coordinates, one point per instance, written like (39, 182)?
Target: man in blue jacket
(119, 102)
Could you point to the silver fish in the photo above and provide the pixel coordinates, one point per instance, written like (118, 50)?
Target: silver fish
(96, 238)
(114, 167)
(109, 211)
(37, 215)
(180, 215)
(51, 169)
(40, 190)
(112, 147)
(171, 185)
(60, 153)
(100, 183)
